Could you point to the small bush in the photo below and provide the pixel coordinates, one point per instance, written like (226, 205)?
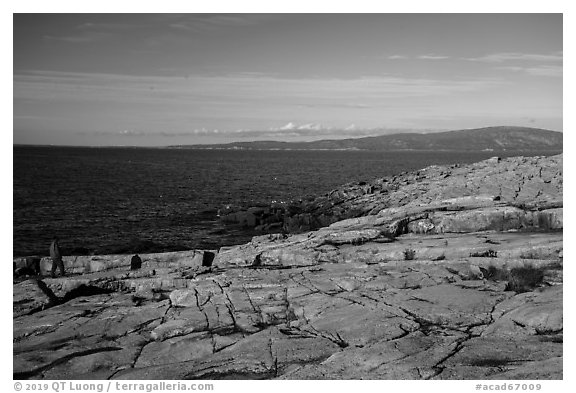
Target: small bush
(532, 254)
(524, 279)
(409, 254)
(519, 279)
(484, 254)
(494, 274)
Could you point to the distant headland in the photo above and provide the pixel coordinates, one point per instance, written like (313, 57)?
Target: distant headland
(497, 139)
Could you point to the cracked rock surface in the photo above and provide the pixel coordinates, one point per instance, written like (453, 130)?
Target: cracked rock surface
(409, 292)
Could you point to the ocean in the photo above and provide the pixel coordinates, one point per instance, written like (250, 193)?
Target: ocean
(125, 200)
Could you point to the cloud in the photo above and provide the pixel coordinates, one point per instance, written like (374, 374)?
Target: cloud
(432, 57)
(350, 131)
(200, 23)
(244, 89)
(553, 71)
(162, 105)
(131, 133)
(293, 129)
(303, 127)
(81, 38)
(346, 105)
(289, 126)
(500, 57)
(89, 32)
(289, 130)
(514, 56)
(107, 26)
(117, 133)
(544, 70)
(419, 57)
(165, 25)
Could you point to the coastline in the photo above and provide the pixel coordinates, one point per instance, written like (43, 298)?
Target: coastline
(431, 277)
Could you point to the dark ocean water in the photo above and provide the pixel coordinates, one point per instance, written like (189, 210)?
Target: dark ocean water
(105, 200)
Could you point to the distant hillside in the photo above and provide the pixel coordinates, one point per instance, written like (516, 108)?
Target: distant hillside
(487, 139)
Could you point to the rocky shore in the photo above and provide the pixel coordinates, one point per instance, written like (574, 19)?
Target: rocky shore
(451, 272)
(514, 185)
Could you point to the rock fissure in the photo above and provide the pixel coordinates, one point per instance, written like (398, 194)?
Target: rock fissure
(438, 368)
(37, 371)
(335, 339)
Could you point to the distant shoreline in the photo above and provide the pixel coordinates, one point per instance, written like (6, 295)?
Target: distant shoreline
(199, 147)
(495, 138)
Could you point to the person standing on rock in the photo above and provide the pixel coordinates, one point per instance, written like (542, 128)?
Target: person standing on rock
(56, 255)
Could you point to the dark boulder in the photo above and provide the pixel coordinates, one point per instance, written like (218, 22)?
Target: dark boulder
(208, 258)
(135, 262)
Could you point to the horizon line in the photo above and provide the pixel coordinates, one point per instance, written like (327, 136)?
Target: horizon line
(277, 141)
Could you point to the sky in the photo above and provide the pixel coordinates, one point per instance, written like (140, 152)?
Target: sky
(168, 79)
